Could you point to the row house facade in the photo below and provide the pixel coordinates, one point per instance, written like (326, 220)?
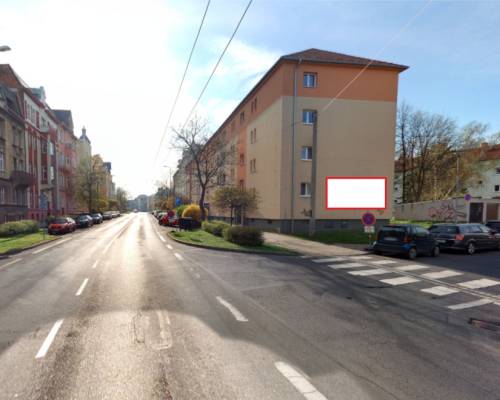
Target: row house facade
(270, 135)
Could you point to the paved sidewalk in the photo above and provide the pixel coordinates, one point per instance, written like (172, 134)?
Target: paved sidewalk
(311, 248)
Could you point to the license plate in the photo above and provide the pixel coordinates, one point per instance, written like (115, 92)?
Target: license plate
(441, 240)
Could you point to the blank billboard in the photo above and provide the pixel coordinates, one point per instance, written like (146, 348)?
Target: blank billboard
(356, 193)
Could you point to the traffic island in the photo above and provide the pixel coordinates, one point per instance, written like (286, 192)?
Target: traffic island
(18, 243)
(203, 239)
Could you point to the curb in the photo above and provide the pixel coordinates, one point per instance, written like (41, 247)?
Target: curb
(17, 251)
(268, 253)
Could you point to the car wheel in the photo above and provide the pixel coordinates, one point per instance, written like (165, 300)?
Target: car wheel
(412, 253)
(435, 251)
(471, 248)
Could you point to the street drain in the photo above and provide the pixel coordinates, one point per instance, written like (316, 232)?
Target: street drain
(489, 325)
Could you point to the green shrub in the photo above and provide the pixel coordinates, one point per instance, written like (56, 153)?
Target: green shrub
(215, 227)
(244, 235)
(208, 227)
(18, 227)
(179, 210)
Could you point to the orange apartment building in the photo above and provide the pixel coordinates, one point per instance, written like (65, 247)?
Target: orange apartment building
(271, 133)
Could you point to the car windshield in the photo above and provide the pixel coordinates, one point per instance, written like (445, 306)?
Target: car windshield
(451, 229)
(392, 232)
(60, 221)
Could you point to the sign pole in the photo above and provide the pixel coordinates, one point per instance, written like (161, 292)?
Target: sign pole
(312, 220)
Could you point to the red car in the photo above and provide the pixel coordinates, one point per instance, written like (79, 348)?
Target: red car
(62, 225)
(169, 219)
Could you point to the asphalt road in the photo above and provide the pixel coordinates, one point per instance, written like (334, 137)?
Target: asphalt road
(122, 312)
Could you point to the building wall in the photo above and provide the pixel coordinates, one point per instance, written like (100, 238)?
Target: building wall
(490, 182)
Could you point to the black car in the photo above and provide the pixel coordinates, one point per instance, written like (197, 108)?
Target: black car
(495, 225)
(409, 240)
(84, 221)
(465, 237)
(107, 215)
(96, 218)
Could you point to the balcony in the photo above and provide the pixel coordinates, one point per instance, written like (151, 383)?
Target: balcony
(22, 178)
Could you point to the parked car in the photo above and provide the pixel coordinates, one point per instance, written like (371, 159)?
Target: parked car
(495, 225)
(107, 215)
(84, 221)
(62, 225)
(409, 240)
(96, 218)
(465, 237)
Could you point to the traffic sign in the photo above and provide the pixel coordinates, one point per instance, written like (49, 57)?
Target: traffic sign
(369, 229)
(368, 219)
(468, 197)
(178, 201)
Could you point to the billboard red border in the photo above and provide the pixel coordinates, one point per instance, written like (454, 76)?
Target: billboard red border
(355, 177)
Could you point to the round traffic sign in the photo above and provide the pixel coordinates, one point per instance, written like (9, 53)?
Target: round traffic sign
(368, 219)
(468, 197)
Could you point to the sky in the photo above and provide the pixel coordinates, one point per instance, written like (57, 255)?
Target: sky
(117, 63)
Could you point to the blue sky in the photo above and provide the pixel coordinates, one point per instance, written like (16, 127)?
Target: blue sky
(117, 63)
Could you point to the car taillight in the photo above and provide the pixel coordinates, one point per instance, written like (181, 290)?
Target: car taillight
(459, 236)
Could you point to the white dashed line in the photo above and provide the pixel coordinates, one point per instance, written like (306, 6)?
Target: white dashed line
(441, 274)
(10, 263)
(347, 265)
(178, 256)
(236, 314)
(361, 257)
(82, 287)
(161, 238)
(412, 267)
(470, 304)
(49, 339)
(479, 283)
(52, 245)
(327, 260)
(370, 272)
(94, 266)
(399, 281)
(300, 383)
(439, 290)
(384, 262)
(169, 247)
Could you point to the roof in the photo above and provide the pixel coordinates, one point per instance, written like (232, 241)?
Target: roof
(11, 104)
(65, 117)
(330, 57)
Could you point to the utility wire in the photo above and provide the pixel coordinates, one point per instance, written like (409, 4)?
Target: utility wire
(180, 86)
(217, 64)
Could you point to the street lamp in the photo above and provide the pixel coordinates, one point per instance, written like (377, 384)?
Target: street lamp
(5, 48)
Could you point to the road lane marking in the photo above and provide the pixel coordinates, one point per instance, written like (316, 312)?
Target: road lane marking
(384, 262)
(470, 304)
(169, 247)
(236, 314)
(348, 265)
(479, 283)
(198, 276)
(82, 287)
(441, 274)
(440, 290)
(327, 260)
(361, 257)
(300, 383)
(10, 263)
(166, 337)
(178, 256)
(370, 272)
(161, 238)
(52, 245)
(49, 339)
(399, 281)
(412, 267)
(94, 266)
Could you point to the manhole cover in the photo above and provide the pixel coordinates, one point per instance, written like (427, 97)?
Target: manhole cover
(489, 325)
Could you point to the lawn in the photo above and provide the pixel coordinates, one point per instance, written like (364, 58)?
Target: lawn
(20, 242)
(202, 238)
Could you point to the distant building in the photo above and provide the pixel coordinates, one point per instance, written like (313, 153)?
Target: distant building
(140, 203)
(84, 147)
(108, 178)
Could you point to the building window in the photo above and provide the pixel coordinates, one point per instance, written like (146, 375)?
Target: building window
(2, 194)
(44, 147)
(242, 159)
(44, 174)
(253, 167)
(310, 79)
(2, 129)
(497, 170)
(305, 189)
(497, 188)
(253, 105)
(308, 117)
(242, 117)
(52, 173)
(253, 135)
(306, 153)
(242, 183)
(2, 161)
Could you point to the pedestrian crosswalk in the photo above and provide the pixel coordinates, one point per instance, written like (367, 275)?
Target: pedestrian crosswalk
(400, 273)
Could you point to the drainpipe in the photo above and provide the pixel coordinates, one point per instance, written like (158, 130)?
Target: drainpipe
(292, 182)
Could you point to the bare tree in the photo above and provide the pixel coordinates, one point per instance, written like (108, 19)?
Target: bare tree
(88, 181)
(209, 154)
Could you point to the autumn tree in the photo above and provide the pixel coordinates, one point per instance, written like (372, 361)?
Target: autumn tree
(122, 199)
(236, 200)
(89, 181)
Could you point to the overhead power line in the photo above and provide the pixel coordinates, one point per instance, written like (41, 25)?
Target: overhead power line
(180, 85)
(217, 64)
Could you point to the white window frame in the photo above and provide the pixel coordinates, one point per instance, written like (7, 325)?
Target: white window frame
(308, 152)
(310, 80)
(309, 120)
(307, 189)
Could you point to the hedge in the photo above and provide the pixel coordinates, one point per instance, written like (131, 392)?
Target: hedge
(18, 227)
(244, 235)
(215, 227)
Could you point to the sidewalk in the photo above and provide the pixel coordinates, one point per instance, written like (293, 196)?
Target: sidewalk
(311, 248)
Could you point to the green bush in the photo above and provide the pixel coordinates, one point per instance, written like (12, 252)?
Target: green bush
(18, 227)
(179, 210)
(244, 235)
(215, 227)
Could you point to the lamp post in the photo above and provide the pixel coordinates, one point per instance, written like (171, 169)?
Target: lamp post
(5, 48)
